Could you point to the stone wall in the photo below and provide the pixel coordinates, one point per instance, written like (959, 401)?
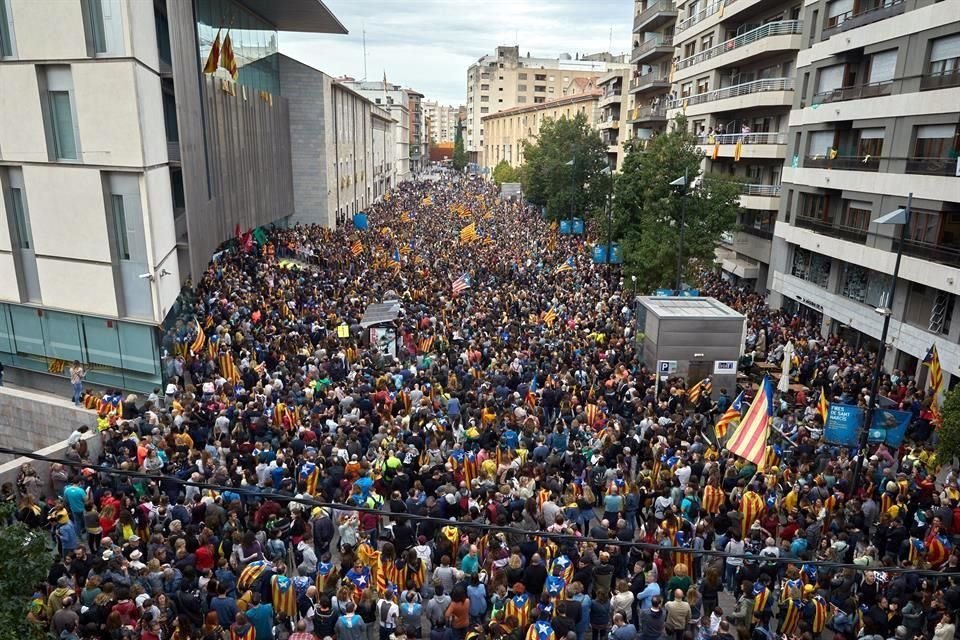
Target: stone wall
(33, 421)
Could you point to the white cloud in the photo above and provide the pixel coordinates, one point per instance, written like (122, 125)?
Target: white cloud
(428, 45)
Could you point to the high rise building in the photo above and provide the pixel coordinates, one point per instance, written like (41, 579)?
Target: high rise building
(123, 167)
(876, 107)
(418, 150)
(506, 79)
(443, 121)
(733, 79)
(649, 86)
(612, 123)
(396, 101)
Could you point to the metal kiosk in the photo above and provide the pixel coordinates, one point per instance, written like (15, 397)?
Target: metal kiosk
(692, 337)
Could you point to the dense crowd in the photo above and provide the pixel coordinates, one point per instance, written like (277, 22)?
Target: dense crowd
(504, 470)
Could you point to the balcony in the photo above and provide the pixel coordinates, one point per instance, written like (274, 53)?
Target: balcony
(855, 92)
(784, 27)
(655, 15)
(942, 80)
(610, 97)
(766, 234)
(609, 123)
(760, 197)
(934, 166)
(640, 115)
(657, 46)
(771, 145)
(706, 12)
(744, 89)
(815, 224)
(938, 253)
(768, 190)
(843, 163)
(773, 137)
(851, 20)
(651, 81)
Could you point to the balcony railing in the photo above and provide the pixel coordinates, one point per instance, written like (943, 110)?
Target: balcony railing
(609, 123)
(768, 190)
(855, 92)
(651, 44)
(766, 234)
(939, 253)
(941, 80)
(851, 20)
(934, 166)
(844, 163)
(648, 80)
(661, 6)
(773, 137)
(644, 114)
(814, 224)
(784, 27)
(746, 88)
(706, 12)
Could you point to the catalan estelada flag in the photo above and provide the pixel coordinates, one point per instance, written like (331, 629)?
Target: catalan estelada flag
(823, 407)
(932, 360)
(550, 317)
(730, 418)
(199, 341)
(424, 345)
(405, 216)
(694, 392)
(356, 248)
(213, 58)
(716, 151)
(593, 414)
(284, 595)
(227, 59)
(749, 441)
(468, 233)
(566, 265)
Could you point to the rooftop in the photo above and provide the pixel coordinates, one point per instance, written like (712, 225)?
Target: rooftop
(683, 307)
(549, 104)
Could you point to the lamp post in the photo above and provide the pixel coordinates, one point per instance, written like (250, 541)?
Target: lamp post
(607, 171)
(681, 185)
(901, 217)
(573, 188)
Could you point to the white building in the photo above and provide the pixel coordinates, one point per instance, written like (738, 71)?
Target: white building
(395, 101)
(443, 121)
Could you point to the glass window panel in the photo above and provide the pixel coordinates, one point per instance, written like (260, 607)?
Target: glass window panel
(65, 144)
(6, 39)
(20, 218)
(98, 37)
(936, 131)
(838, 7)
(27, 331)
(138, 348)
(942, 49)
(6, 329)
(820, 143)
(882, 66)
(62, 336)
(103, 342)
(830, 78)
(120, 227)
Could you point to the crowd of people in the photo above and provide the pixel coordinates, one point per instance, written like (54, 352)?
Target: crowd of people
(505, 469)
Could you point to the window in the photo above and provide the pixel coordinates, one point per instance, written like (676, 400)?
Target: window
(61, 119)
(484, 109)
(935, 141)
(856, 215)
(830, 78)
(485, 87)
(870, 142)
(865, 285)
(686, 89)
(484, 76)
(539, 88)
(539, 100)
(23, 239)
(706, 42)
(552, 78)
(120, 227)
(820, 144)
(925, 226)
(838, 11)
(521, 87)
(703, 85)
(6, 32)
(93, 23)
(540, 77)
(882, 66)
(521, 76)
(944, 54)
(549, 89)
(689, 49)
(813, 267)
(814, 206)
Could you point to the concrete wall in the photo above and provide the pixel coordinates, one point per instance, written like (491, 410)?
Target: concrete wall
(33, 420)
(9, 470)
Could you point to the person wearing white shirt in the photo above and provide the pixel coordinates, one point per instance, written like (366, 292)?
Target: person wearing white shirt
(388, 613)
(683, 474)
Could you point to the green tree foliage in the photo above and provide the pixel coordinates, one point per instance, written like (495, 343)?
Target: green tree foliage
(948, 443)
(647, 210)
(25, 560)
(503, 172)
(459, 150)
(549, 180)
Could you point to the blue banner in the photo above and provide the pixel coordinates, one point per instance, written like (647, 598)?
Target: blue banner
(690, 293)
(661, 293)
(577, 227)
(843, 424)
(600, 254)
(889, 426)
(565, 227)
(616, 257)
(360, 221)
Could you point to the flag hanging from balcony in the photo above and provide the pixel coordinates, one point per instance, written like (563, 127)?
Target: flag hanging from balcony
(749, 441)
(737, 151)
(213, 58)
(227, 59)
(716, 151)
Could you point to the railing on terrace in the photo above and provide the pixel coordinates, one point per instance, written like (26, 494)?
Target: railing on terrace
(706, 12)
(760, 189)
(844, 163)
(851, 20)
(648, 79)
(773, 137)
(661, 6)
(855, 92)
(657, 41)
(746, 88)
(929, 251)
(647, 113)
(948, 166)
(943, 79)
(784, 27)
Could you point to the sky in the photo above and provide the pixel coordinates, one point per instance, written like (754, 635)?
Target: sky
(428, 45)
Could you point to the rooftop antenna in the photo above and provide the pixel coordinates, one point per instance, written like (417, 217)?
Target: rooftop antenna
(516, 37)
(364, 54)
(610, 48)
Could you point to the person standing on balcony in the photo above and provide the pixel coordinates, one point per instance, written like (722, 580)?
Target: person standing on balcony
(77, 374)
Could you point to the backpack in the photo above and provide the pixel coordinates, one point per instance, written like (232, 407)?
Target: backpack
(297, 555)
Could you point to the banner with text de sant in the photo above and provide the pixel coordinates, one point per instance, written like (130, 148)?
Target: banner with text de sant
(844, 422)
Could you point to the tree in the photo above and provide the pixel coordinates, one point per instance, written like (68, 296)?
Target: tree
(503, 172)
(948, 443)
(25, 561)
(459, 151)
(549, 178)
(648, 211)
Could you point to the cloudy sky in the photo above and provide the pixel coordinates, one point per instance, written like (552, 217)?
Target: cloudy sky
(428, 44)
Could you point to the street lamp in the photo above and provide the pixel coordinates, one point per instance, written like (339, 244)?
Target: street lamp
(902, 218)
(573, 190)
(680, 184)
(607, 171)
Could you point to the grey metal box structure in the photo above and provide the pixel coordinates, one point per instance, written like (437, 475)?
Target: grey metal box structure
(692, 337)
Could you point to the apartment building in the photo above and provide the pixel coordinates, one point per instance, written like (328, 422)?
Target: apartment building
(509, 129)
(612, 123)
(649, 87)
(506, 79)
(875, 118)
(443, 121)
(396, 101)
(418, 139)
(341, 143)
(123, 167)
(733, 78)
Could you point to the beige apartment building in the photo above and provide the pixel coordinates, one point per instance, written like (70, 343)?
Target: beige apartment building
(614, 101)
(506, 79)
(733, 77)
(442, 121)
(649, 86)
(508, 129)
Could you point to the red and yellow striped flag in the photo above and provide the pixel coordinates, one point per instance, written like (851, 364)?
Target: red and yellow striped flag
(823, 407)
(751, 506)
(593, 414)
(713, 499)
(199, 340)
(468, 233)
(749, 441)
(227, 58)
(213, 58)
(737, 151)
(550, 317)
(356, 248)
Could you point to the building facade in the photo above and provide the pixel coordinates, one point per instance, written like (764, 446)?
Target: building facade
(612, 122)
(733, 76)
(506, 79)
(649, 87)
(418, 150)
(127, 167)
(442, 121)
(396, 101)
(509, 129)
(342, 146)
(875, 119)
